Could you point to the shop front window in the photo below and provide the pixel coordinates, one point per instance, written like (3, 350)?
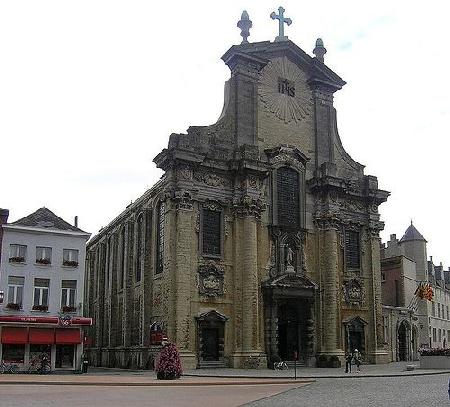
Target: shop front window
(13, 353)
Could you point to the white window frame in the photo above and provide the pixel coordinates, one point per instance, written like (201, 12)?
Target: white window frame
(70, 255)
(15, 288)
(14, 251)
(46, 253)
(68, 291)
(41, 290)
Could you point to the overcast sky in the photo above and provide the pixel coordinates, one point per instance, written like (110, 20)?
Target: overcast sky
(91, 90)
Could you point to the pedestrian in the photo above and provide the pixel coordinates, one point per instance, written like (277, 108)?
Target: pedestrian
(357, 359)
(348, 362)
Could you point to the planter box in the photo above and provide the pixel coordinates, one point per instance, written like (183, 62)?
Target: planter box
(435, 362)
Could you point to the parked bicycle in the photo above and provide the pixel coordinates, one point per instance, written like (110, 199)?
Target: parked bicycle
(8, 368)
(280, 366)
(39, 365)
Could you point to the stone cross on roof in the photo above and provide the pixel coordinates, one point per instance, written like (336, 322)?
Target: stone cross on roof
(281, 21)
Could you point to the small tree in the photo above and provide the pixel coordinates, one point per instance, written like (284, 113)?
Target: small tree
(168, 365)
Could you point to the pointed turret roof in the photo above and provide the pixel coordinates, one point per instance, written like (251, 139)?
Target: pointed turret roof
(46, 219)
(412, 234)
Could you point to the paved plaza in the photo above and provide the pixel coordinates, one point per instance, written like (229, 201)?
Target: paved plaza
(376, 385)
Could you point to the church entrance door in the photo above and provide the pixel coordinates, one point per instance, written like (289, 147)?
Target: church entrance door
(210, 343)
(289, 329)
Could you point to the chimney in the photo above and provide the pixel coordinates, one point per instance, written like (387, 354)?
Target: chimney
(75, 223)
(393, 237)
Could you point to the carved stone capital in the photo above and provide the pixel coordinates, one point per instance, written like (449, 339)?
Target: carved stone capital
(182, 199)
(247, 206)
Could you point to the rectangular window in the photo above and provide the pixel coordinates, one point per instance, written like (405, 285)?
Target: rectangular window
(448, 316)
(68, 294)
(383, 276)
(439, 335)
(17, 253)
(70, 257)
(43, 255)
(13, 353)
(433, 309)
(439, 310)
(41, 286)
(15, 292)
(434, 334)
(288, 197)
(352, 249)
(211, 232)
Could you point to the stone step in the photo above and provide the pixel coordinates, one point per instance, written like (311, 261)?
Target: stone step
(211, 364)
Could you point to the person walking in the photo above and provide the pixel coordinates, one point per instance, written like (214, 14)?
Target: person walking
(357, 359)
(348, 363)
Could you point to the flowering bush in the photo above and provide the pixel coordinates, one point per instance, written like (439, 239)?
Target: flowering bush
(168, 365)
(43, 261)
(67, 308)
(17, 259)
(434, 351)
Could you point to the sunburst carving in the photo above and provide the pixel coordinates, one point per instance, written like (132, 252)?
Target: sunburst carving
(287, 108)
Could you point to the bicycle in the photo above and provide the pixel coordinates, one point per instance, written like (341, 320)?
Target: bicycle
(8, 368)
(40, 365)
(280, 366)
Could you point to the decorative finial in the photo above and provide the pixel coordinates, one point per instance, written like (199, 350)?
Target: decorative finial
(319, 51)
(281, 21)
(245, 24)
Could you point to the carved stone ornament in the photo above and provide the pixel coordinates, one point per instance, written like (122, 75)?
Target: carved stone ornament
(209, 178)
(183, 199)
(210, 280)
(247, 206)
(353, 292)
(294, 105)
(184, 172)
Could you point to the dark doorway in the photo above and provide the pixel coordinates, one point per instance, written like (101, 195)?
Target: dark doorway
(288, 332)
(402, 343)
(355, 335)
(211, 339)
(210, 344)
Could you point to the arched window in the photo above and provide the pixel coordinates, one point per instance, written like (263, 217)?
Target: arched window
(160, 238)
(140, 236)
(288, 197)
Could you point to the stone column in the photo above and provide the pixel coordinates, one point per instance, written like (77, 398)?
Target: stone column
(330, 293)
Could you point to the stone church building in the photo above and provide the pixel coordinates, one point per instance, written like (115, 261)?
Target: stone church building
(261, 239)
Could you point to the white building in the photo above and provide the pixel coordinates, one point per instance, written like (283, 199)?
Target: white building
(42, 279)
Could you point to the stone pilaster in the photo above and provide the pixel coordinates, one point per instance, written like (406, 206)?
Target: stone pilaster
(376, 353)
(184, 268)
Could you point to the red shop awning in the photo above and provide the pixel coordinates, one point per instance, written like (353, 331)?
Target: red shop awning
(14, 335)
(68, 336)
(39, 336)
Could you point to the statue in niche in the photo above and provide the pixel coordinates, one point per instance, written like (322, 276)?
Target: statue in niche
(289, 260)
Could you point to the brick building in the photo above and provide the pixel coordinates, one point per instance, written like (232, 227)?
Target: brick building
(260, 240)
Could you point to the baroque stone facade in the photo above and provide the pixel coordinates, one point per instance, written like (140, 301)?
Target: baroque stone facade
(260, 241)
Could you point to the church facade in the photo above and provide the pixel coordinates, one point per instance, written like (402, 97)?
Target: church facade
(261, 240)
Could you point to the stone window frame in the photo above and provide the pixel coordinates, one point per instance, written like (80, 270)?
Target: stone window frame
(354, 229)
(286, 156)
(159, 254)
(216, 207)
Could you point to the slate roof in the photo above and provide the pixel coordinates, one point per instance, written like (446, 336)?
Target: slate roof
(46, 219)
(412, 234)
